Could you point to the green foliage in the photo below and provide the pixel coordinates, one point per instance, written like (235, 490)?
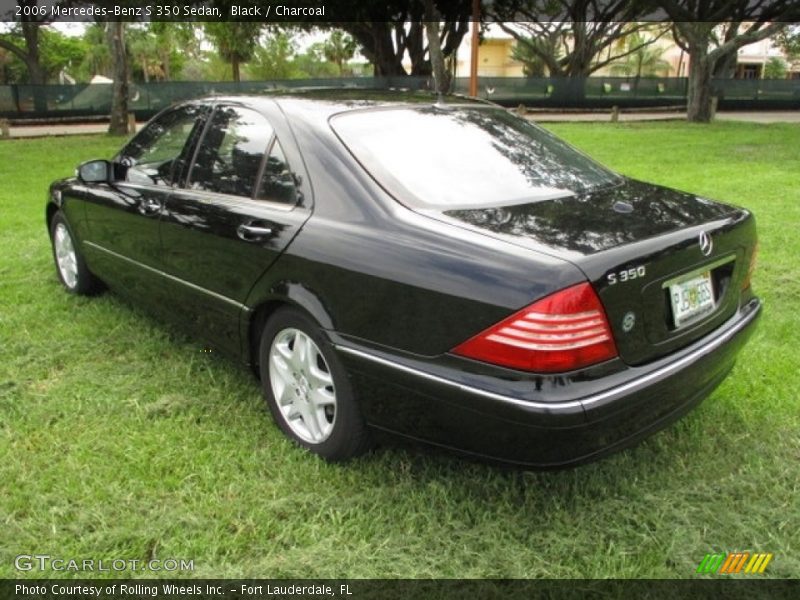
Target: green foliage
(311, 64)
(775, 68)
(339, 48)
(160, 50)
(121, 438)
(529, 49)
(277, 58)
(235, 41)
(788, 40)
(643, 60)
(57, 51)
(97, 56)
(273, 57)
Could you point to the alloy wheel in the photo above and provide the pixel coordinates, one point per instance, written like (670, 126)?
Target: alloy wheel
(66, 258)
(302, 384)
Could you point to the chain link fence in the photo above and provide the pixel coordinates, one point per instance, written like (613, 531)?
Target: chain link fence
(21, 102)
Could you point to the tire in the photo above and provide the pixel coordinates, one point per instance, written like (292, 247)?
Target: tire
(307, 390)
(71, 269)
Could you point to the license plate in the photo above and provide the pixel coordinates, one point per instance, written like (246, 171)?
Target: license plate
(691, 298)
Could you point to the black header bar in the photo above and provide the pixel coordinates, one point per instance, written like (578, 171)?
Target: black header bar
(338, 11)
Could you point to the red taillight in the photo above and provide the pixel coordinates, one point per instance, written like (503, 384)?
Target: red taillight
(562, 332)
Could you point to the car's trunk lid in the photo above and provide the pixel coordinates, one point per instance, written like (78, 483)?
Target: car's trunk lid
(638, 244)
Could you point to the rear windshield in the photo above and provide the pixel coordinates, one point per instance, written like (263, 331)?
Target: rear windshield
(462, 157)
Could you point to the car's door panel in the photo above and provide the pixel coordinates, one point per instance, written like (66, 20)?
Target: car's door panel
(122, 218)
(217, 237)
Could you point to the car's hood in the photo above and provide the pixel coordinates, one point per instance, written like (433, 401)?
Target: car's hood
(588, 223)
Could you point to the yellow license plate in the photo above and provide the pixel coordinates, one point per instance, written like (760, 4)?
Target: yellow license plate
(691, 298)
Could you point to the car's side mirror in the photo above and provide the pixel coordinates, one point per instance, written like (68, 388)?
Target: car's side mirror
(95, 171)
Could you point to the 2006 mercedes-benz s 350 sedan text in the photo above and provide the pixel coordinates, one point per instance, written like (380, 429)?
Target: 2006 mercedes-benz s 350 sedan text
(438, 269)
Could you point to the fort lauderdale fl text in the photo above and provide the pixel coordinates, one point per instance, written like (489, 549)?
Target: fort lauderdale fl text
(168, 589)
(171, 10)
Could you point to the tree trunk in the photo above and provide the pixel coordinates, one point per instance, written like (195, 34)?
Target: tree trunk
(37, 78)
(164, 57)
(119, 61)
(237, 74)
(569, 91)
(36, 74)
(376, 44)
(440, 74)
(698, 108)
(725, 67)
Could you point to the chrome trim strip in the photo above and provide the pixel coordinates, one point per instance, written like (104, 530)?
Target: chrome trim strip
(460, 386)
(584, 402)
(238, 305)
(702, 269)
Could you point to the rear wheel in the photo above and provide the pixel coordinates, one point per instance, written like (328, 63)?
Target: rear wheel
(307, 389)
(70, 266)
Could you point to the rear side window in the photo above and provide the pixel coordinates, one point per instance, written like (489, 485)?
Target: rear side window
(464, 157)
(231, 152)
(277, 181)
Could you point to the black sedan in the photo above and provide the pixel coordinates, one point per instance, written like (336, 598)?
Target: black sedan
(438, 269)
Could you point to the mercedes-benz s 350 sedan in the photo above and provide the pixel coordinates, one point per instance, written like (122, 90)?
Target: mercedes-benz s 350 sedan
(442, 270)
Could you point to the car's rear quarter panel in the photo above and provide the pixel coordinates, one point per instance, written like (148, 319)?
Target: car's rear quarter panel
(393, 278)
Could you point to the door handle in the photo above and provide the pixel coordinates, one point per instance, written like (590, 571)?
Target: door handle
(253, 233)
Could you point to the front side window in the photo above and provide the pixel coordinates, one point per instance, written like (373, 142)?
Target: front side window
(157, 155)
(231, 153)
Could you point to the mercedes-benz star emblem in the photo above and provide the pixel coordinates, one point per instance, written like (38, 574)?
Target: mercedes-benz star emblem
(706, 243)
(628, 321)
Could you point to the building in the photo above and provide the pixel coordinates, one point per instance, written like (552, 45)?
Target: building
(495, 58)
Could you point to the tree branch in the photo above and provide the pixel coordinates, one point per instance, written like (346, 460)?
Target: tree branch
(753, 34)
(602, 64)
(19, 52)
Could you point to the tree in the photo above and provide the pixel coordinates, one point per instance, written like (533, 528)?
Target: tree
(235, 42)
(312, 63)
(339, 48)
(273, 58)
(389, 31)
(695, 26)
(775, 68)
(160, 49)
(530, 52)
(176, 44)
(27, 49)
(643, 61)
(788, 40)
(144, 53)
(441, 77)
(56, 51)
(572, 38)
(97, 56)
(570, 47)
(115, 32)
(725, 66)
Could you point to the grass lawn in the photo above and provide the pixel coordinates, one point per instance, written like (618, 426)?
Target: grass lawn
(120, 438)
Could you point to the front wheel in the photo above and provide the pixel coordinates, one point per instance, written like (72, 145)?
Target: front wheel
(307, 389)
(70, 266)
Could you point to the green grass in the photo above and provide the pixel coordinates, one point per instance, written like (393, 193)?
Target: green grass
(120, 438)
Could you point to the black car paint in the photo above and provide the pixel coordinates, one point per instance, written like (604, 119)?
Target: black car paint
(660, 233)
(403, 288)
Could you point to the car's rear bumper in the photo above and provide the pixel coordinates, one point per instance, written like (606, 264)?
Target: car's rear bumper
(597, 416)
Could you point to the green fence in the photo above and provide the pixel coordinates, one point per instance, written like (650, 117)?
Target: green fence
(92, 100)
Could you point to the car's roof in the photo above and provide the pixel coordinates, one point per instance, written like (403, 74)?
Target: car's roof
(328, 101)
